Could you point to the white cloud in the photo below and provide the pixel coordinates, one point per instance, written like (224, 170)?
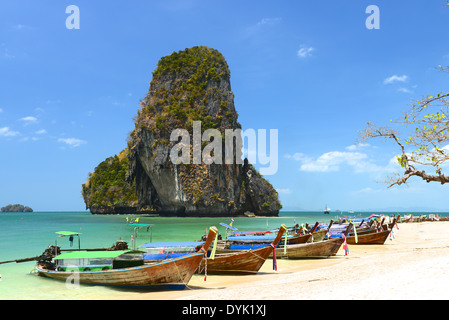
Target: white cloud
(358, 146)
(263, 24)
(5, 132)
(405, 90)
(298, 157)
(28, 120)
(366, 190)
(7, 55)
(396, 78)
(334, 160)
(73, 142)
(305, 52)
(269, 21)
(42, 131)
(331, 161)
(1, 110)
(284, 191)
(20, 26)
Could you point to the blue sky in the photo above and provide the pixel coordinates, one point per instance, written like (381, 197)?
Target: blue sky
(310, 69)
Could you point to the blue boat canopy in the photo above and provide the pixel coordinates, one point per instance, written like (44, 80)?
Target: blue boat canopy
(228, 226)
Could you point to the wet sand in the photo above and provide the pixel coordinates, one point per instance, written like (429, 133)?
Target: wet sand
(414, 265)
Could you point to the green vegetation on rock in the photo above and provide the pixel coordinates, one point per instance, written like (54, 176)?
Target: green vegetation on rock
(16, 208)
(106, 186)
(182, 88)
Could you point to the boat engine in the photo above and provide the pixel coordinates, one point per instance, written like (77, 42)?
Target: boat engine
(120, 245)
(45, 260)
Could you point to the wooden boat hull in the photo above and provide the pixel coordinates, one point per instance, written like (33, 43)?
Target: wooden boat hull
(298, 239)
(321, 249)
(318, 236)
(370, 238)
(174, 273)
(236, 262)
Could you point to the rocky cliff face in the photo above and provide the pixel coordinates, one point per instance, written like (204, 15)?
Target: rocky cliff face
(192, 85)
(188, 88)
(107, 191)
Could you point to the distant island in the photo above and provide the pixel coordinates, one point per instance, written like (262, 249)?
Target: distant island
(16, 208)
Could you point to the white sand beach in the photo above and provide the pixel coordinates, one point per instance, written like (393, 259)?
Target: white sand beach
(414, 265)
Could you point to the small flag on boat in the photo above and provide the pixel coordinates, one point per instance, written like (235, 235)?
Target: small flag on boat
(232, 221)
(267, 222)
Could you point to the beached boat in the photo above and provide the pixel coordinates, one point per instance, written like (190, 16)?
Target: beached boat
(319, 249)
(225, 260)
(372, 237)
(241, 261)
(122, 268)
(267, 239)
(369, 238)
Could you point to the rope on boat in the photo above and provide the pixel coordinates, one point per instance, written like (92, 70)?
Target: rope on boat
(251, 251)
(205, 269)
(275, 267)
(180, 276)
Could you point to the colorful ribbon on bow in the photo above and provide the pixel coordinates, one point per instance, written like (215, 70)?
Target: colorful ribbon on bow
(355, 233)
(214, 249)
(345, 245)
(285, 243)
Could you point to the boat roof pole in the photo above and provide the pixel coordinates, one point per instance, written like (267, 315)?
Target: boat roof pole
(135, 236)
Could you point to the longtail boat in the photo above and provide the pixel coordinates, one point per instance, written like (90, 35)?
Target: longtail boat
(239, 262)
(319, 249)
(266, 239)
(222, 259)
(373, 237)
(369, 238)
(122, 268)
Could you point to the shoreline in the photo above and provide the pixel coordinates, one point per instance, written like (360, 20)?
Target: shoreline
(411, 266)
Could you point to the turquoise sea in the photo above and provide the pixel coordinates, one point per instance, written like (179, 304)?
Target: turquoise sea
(24, 235)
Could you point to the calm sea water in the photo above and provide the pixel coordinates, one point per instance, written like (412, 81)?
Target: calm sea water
(25, 235)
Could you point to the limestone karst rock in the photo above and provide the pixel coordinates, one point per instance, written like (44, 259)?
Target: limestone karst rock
(188, 87)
